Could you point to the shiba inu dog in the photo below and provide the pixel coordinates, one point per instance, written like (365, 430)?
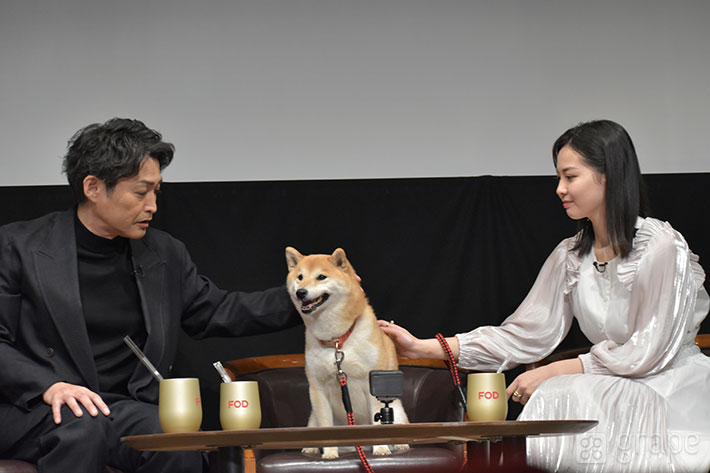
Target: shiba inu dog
(327, 294)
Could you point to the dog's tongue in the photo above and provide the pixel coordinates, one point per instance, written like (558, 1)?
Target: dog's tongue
(308, 304)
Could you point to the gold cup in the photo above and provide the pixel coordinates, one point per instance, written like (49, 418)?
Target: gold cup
(486, 399)
(239, 405)
(180, 405)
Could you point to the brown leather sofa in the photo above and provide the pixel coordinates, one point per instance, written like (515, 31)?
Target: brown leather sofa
(429, 396)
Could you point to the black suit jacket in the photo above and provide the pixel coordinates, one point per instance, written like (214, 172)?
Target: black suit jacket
(43, 337)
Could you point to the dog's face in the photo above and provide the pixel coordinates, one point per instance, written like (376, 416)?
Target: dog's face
(317, 282)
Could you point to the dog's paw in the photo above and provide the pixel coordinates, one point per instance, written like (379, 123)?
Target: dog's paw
(381, 450)
(310, 450)
(330, 453)
(401, 447)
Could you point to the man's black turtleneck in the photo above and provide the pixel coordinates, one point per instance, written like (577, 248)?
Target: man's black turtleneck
(111, 306)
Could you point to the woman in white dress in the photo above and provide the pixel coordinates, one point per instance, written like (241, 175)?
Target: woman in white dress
(637, 292)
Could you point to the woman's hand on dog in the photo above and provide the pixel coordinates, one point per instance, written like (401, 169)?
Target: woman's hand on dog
(405, 343)
(412, 347)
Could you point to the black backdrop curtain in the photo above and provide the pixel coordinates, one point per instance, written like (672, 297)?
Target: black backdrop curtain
(436, 255)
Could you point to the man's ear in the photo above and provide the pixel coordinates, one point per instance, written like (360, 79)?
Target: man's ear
(93, 186)
(292, 257)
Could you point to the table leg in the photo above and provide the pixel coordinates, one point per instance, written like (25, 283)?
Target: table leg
(227, 460)
(513, 452)
(507, 452)
(478, 456)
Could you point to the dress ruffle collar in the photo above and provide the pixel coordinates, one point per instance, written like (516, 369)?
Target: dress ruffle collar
(572, 263)
(627, 268)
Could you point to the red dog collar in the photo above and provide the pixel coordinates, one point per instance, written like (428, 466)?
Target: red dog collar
(341, 339)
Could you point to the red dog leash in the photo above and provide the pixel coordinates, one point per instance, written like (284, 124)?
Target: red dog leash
(453, 369)
(343, 381)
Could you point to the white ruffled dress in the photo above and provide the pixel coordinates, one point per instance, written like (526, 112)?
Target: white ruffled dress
(644, 379)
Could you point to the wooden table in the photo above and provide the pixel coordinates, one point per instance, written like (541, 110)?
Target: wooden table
(230, 444)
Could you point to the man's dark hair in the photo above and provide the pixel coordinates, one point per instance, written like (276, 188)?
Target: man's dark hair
(112, 151)
(607, 148)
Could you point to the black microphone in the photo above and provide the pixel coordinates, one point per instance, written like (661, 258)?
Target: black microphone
(601, 267)
(138, 271)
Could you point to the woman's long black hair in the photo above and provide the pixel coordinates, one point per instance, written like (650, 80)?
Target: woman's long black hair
(607, 148)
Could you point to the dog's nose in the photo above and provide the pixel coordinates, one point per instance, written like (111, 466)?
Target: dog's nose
(301, 294)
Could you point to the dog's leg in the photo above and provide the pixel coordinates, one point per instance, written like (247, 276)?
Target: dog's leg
(400, 417)
(311, 423)
(321, 416)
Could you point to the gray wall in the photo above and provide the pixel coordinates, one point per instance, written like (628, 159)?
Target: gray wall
(300, 89)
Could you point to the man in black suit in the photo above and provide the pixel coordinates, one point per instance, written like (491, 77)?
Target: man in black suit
(74, 283)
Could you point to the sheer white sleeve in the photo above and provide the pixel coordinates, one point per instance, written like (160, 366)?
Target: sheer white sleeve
(665, 279)
(535, 329)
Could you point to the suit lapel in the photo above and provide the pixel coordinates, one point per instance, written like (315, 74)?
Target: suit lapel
(58, 274)
(150, 278)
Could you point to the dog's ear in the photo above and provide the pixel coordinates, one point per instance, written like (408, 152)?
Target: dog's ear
(339, 259)
(292, 257)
